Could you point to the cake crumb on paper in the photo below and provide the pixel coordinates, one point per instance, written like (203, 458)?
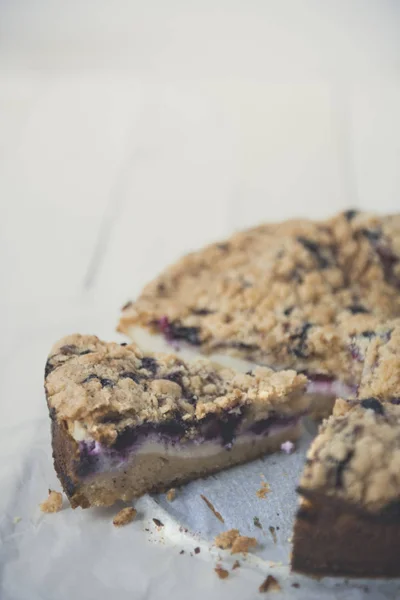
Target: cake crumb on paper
(295, 584)
(211, 507)
(197, 550)
(236, 542)
(273, 533)
(125, 516)
(16, 520)
(263, 491)
(270, 584)
(222, 573)
(171, 495)
(257, 522)
(243, 544)
(235, 565)
(225, 539)
(53, 503)
(158, 523)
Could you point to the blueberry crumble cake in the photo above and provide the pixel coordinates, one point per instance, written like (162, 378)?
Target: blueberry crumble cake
(125, 423)
(287, 295)
(348, 522)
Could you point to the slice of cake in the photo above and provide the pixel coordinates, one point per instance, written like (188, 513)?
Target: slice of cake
(287, 295)
(125, 423)
(348, 523)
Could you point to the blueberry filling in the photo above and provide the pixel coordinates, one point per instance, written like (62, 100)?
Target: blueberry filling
(350, 214)
(88, 459)
(150, 364)
(177, 331)
(202, 312)
(340, 468)
(315, 250)
(104, 382)
(373, 404)
(129, 375)
(299, 348)
(356, 309)
(221, 430)
(385, 254)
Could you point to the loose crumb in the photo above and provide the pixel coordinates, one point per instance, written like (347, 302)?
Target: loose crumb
(257, 522)
(158, 523)
(222, 573)
(125, 516)
(16, 520)
(211, 507)
(236, 565)
(287, 447)
(295, 584)
(243, 544)
(272, 532)
(264, 490)
(270, 584)
(236, 542)
(225, 539)
(197, 550)
(171, 495)
(53, 502)
(182, 552)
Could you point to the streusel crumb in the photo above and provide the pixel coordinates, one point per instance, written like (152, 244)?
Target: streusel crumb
(225, 539)
(263, 491)
(53, 503)
(233, 540)
(270, 584)
(125, 516)
(243, 544)
(222, 573)
(171, 495)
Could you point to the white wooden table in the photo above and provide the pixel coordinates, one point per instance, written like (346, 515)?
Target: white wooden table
(132, 132)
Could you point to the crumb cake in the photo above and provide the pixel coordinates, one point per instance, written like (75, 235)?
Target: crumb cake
(125, 423)
(348, 522)
(289, 296)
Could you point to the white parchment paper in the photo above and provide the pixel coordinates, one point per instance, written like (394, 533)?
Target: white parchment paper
(79, 554)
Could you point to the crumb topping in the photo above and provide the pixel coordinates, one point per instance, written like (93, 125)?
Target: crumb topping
(381, 367)
(53, 503)
(107, 387)
(125, 516)
(356, 456)
(270, 584)
(235, 542)
(225, 539)
(263, 491)
(171, 495)
(286, 295)
(222, 573)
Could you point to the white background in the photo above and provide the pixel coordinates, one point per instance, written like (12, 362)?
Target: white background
(132, 132)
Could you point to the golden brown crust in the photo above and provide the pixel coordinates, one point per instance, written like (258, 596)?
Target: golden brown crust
(284, 295)
(98, 389)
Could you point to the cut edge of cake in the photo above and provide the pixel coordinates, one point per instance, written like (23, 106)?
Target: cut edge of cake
(125, 423)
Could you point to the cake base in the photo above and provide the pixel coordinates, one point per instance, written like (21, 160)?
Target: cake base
(152, 472)
(332, 538)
